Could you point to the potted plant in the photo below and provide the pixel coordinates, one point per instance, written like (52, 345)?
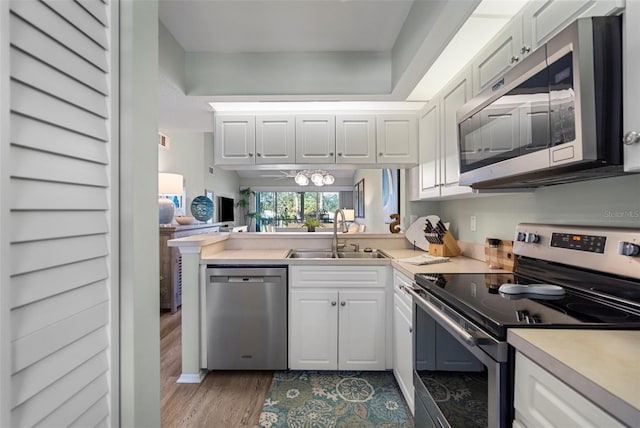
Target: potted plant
(245, 202)
(312, 223)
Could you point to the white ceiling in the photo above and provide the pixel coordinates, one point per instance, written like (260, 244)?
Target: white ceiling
(284, 26)
(315, 26)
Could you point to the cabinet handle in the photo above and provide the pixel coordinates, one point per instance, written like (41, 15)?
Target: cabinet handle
(525, 49)
(258, 154)
(631, 137)
(250, 155)
(333, 303)
(330, 153)
(380, 154)
(410, 329)
(514, 59)
(339, 154)
(343, 303)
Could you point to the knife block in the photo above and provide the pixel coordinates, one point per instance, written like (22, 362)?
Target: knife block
(448, 248)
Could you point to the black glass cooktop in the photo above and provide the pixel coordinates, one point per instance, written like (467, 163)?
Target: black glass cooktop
(477, 297)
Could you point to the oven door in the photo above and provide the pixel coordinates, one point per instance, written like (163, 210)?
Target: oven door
(460, 372)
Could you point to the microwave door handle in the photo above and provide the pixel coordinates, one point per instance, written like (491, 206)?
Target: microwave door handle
(440, 317)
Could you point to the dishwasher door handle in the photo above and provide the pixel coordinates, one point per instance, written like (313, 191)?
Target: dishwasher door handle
(236, 279)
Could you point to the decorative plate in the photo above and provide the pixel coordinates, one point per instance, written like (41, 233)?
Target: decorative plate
(202, 208)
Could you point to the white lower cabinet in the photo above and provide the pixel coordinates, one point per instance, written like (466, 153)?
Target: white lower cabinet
(403, 337)
(543, 400)
(337, 318)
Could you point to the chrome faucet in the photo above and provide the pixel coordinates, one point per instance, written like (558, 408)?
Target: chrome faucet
(334, 242)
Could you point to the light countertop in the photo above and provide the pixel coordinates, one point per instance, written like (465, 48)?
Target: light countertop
(603, 365)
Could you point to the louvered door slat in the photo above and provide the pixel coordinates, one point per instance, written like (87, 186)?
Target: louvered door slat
(28, 39)
(38, 165)
(38, 225)
(47, 340)
(39, 105)
(64, 415)
(40, 405)
(96, 9)
(44, 313)
(81, 19)
(29, 288)
(37, 74)
(45, 372)
(49, 22)
(42, 136)
(34, 164)
(93, 416)
(33, 195)
(33, 256)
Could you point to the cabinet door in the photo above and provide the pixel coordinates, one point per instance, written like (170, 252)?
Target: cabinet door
(275, 139)
(355, 139)
(631, 85)
(503, 52)
(544, 19)
(542, 400)
(453, 97)
(362, 330)
(315, 139)
(397, 138)
(313, 330)
(403, 348)
(430, 151)
(235, 140)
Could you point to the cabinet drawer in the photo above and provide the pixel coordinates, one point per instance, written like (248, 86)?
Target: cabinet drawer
(542, 400)
(337, 276)
(399, 282)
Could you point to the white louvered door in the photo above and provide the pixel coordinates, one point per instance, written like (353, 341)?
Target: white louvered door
(59, 213)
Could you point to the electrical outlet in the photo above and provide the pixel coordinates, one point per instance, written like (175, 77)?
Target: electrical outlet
(473, 225)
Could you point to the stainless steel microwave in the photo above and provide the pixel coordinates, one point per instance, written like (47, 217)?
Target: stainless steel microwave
(554, 118)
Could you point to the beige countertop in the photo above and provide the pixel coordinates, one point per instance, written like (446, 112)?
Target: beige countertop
(603, 365)
(458, 264)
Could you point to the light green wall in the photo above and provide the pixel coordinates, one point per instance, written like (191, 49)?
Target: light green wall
(171, 57)
(605, 202)
(139, 317)
(191, 154)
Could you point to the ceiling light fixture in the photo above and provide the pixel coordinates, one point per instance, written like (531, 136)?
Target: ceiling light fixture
(316, 177)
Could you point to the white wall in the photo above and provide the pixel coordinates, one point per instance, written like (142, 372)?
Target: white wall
(604, 202)
(191, 154)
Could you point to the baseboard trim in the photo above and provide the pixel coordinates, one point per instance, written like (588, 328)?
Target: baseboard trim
(192, 377)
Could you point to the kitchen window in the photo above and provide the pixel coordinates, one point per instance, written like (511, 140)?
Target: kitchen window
(288, 209)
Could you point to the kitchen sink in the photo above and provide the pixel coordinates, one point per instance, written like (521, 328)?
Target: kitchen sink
(326, 254)
(362, 255)
(309, 254)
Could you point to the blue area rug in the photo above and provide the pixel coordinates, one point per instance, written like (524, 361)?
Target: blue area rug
(322, 399)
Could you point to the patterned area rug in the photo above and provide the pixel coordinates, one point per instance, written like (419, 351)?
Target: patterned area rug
(320, 399)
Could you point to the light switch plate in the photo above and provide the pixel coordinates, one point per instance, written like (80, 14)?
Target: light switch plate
(472, 224)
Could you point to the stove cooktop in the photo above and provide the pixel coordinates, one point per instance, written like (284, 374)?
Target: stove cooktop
(477, 297)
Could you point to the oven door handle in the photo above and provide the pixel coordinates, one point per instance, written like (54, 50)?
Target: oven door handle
(437, 314)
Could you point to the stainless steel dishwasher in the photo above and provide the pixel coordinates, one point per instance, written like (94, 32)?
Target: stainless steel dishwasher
(246, 316)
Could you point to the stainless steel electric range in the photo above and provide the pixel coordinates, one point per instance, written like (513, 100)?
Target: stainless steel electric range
(463, 366)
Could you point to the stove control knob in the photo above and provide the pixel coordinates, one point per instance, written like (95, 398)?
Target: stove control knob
(521, 236)
(628, 249)
(531, 238)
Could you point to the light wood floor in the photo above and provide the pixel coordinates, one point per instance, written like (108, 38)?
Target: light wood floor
(223, 399)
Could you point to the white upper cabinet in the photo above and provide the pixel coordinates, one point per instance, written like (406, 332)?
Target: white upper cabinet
(275, 139)
(455, 94)
(397, 138)
(430, 150)
(544, 19)
(503, 52)
(315, 139)
(355, 139)
(631, 86)
(235, 140)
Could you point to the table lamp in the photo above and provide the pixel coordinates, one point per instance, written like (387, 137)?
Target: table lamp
(168, 184)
